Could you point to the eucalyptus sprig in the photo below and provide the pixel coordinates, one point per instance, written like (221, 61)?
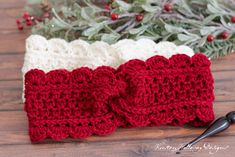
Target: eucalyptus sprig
(207, 26)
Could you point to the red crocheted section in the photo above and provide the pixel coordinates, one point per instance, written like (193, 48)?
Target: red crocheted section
(159, 91)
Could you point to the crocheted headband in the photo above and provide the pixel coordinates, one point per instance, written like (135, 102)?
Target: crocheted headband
(84, 101)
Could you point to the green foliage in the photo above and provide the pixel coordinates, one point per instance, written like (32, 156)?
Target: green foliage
(188, 23)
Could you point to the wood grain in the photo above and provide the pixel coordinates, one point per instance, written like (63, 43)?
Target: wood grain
(14, 139)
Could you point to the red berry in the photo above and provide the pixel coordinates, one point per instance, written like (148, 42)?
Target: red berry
(114, 16)
(20, 27)
(210, 38)
(168, 7)
(233, 19)
(224, 35)
(28, 23)
(18, 21)
(25, 15)
(28, 18)
(139, 17)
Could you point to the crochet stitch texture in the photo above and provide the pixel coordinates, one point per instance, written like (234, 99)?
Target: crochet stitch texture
(85, 101)
(56, 53)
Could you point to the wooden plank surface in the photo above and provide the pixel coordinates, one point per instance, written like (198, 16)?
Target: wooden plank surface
(151, 141)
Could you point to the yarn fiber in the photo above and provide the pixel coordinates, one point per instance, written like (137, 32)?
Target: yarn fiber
(138, 93)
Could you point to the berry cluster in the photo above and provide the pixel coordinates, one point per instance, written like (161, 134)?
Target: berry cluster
(138, 17)
(27, 20)
(110, 7)
(30, 20)
(223, 35)
(168, 8)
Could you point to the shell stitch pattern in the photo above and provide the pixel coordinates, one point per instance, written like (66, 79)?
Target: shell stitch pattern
(83, 102)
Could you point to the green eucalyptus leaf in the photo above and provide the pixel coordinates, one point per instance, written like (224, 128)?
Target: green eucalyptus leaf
(151, 9)
(156, 37)
(207, 30)
(94, 29)
(140, 2)
(188, 37)
(214, 7)
(138, 30)
(91, 5)
(184, 37)
(209, 18)
(67, 12)
(184, 8)
(87, 13)
(202, 41)
(58, 23)
(174, 29)
(123, 5)
(110, 38)
(148, 17)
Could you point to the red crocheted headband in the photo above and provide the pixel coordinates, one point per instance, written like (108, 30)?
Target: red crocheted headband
(159, 91)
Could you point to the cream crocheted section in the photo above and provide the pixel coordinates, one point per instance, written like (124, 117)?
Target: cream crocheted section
(56, 53)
